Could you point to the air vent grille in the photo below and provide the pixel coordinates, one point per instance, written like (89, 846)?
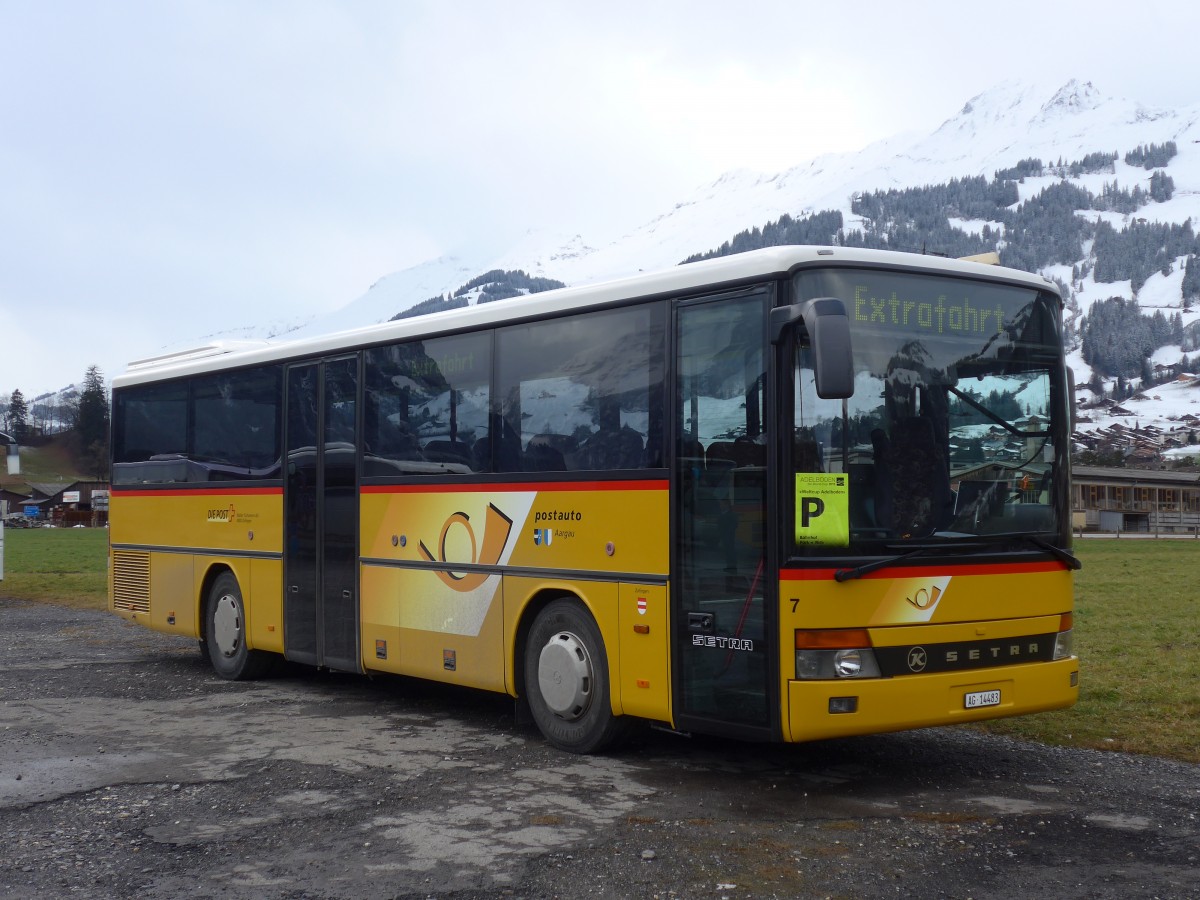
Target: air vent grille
(131, 581)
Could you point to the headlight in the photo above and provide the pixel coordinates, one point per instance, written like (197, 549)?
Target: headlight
(1064, 645)
(829, 664)
(848, 663)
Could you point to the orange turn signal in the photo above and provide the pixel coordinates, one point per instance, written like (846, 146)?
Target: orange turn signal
(833, 639)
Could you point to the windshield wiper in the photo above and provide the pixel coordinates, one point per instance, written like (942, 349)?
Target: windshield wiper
(918, 550)
(1069, 559)
(927, 547)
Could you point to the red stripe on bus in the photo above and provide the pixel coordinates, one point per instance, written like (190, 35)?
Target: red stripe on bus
(659, 485)
(201, 492)
(1023, 568)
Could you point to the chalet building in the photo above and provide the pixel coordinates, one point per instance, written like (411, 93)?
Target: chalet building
(1138, 500)
(73, 503)
(12, 503)
(1141, 445)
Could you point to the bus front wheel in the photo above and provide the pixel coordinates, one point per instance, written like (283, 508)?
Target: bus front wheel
(225, 633)
(566, 680)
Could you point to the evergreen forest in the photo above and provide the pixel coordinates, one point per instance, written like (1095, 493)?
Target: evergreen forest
(498, 284)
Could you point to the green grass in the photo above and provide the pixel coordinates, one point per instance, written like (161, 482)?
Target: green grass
(1137, 631)
(67, 566)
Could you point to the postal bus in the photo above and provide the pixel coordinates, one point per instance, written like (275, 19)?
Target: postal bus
(790, 494)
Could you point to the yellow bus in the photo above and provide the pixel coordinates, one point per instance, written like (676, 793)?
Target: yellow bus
(785, 495)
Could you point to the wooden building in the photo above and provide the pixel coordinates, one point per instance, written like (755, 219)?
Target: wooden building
(74, 503)
(1137, 500)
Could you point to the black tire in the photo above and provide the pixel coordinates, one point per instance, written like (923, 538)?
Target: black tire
(225, 633)
(566, 680)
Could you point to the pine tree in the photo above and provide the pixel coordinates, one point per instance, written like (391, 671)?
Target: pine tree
(1191, 282)
(18, 415)
(91, 423)
(1147, 374)
(1162, 186)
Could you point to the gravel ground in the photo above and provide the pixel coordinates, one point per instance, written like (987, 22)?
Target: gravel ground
(127, 769)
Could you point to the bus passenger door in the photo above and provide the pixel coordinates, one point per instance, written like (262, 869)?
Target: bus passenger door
(320, 607)
(721, 624)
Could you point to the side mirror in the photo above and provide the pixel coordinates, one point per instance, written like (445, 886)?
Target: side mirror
(828, 329)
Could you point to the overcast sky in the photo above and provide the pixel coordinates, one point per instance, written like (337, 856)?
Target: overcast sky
(169, 169)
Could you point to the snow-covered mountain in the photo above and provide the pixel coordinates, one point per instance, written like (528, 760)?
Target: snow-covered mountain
(992, 131)
(996, 130)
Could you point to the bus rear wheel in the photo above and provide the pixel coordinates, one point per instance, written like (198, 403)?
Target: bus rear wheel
(225, 633)
(566, 680)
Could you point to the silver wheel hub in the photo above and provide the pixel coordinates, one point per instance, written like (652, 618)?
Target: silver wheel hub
(227, 625)
(565, 676)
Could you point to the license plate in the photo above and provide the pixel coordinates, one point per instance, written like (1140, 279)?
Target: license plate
(976, 699)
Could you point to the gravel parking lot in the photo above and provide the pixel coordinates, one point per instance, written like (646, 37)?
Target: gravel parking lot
(127, 769)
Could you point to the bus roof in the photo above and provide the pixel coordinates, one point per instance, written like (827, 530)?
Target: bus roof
(722, 272)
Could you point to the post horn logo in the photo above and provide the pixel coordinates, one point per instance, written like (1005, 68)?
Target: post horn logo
(496, 529)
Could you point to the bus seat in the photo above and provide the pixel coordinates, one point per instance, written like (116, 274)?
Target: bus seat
(1029, 517)
(448, 451)
(692, 450)
(881, 481)
(807, 456)
(740, 453)
(864, 495)
(914, 465)
(979, 500)
(544, 453)
(392, 441)
(621, 449)
(506, 445)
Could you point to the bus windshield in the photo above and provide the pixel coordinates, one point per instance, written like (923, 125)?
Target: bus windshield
(957, 427)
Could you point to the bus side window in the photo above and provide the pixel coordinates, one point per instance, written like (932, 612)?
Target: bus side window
(582, 393)
(148, 420)
(428, 402)
(386, 434)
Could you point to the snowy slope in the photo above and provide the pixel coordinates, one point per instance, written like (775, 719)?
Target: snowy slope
(394, 293)
(994, 130)
(997, 129)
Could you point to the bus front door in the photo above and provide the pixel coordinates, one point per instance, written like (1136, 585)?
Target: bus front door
(719, 582)
(320, 607)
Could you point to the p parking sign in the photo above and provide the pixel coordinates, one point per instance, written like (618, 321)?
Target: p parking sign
(823, 508)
